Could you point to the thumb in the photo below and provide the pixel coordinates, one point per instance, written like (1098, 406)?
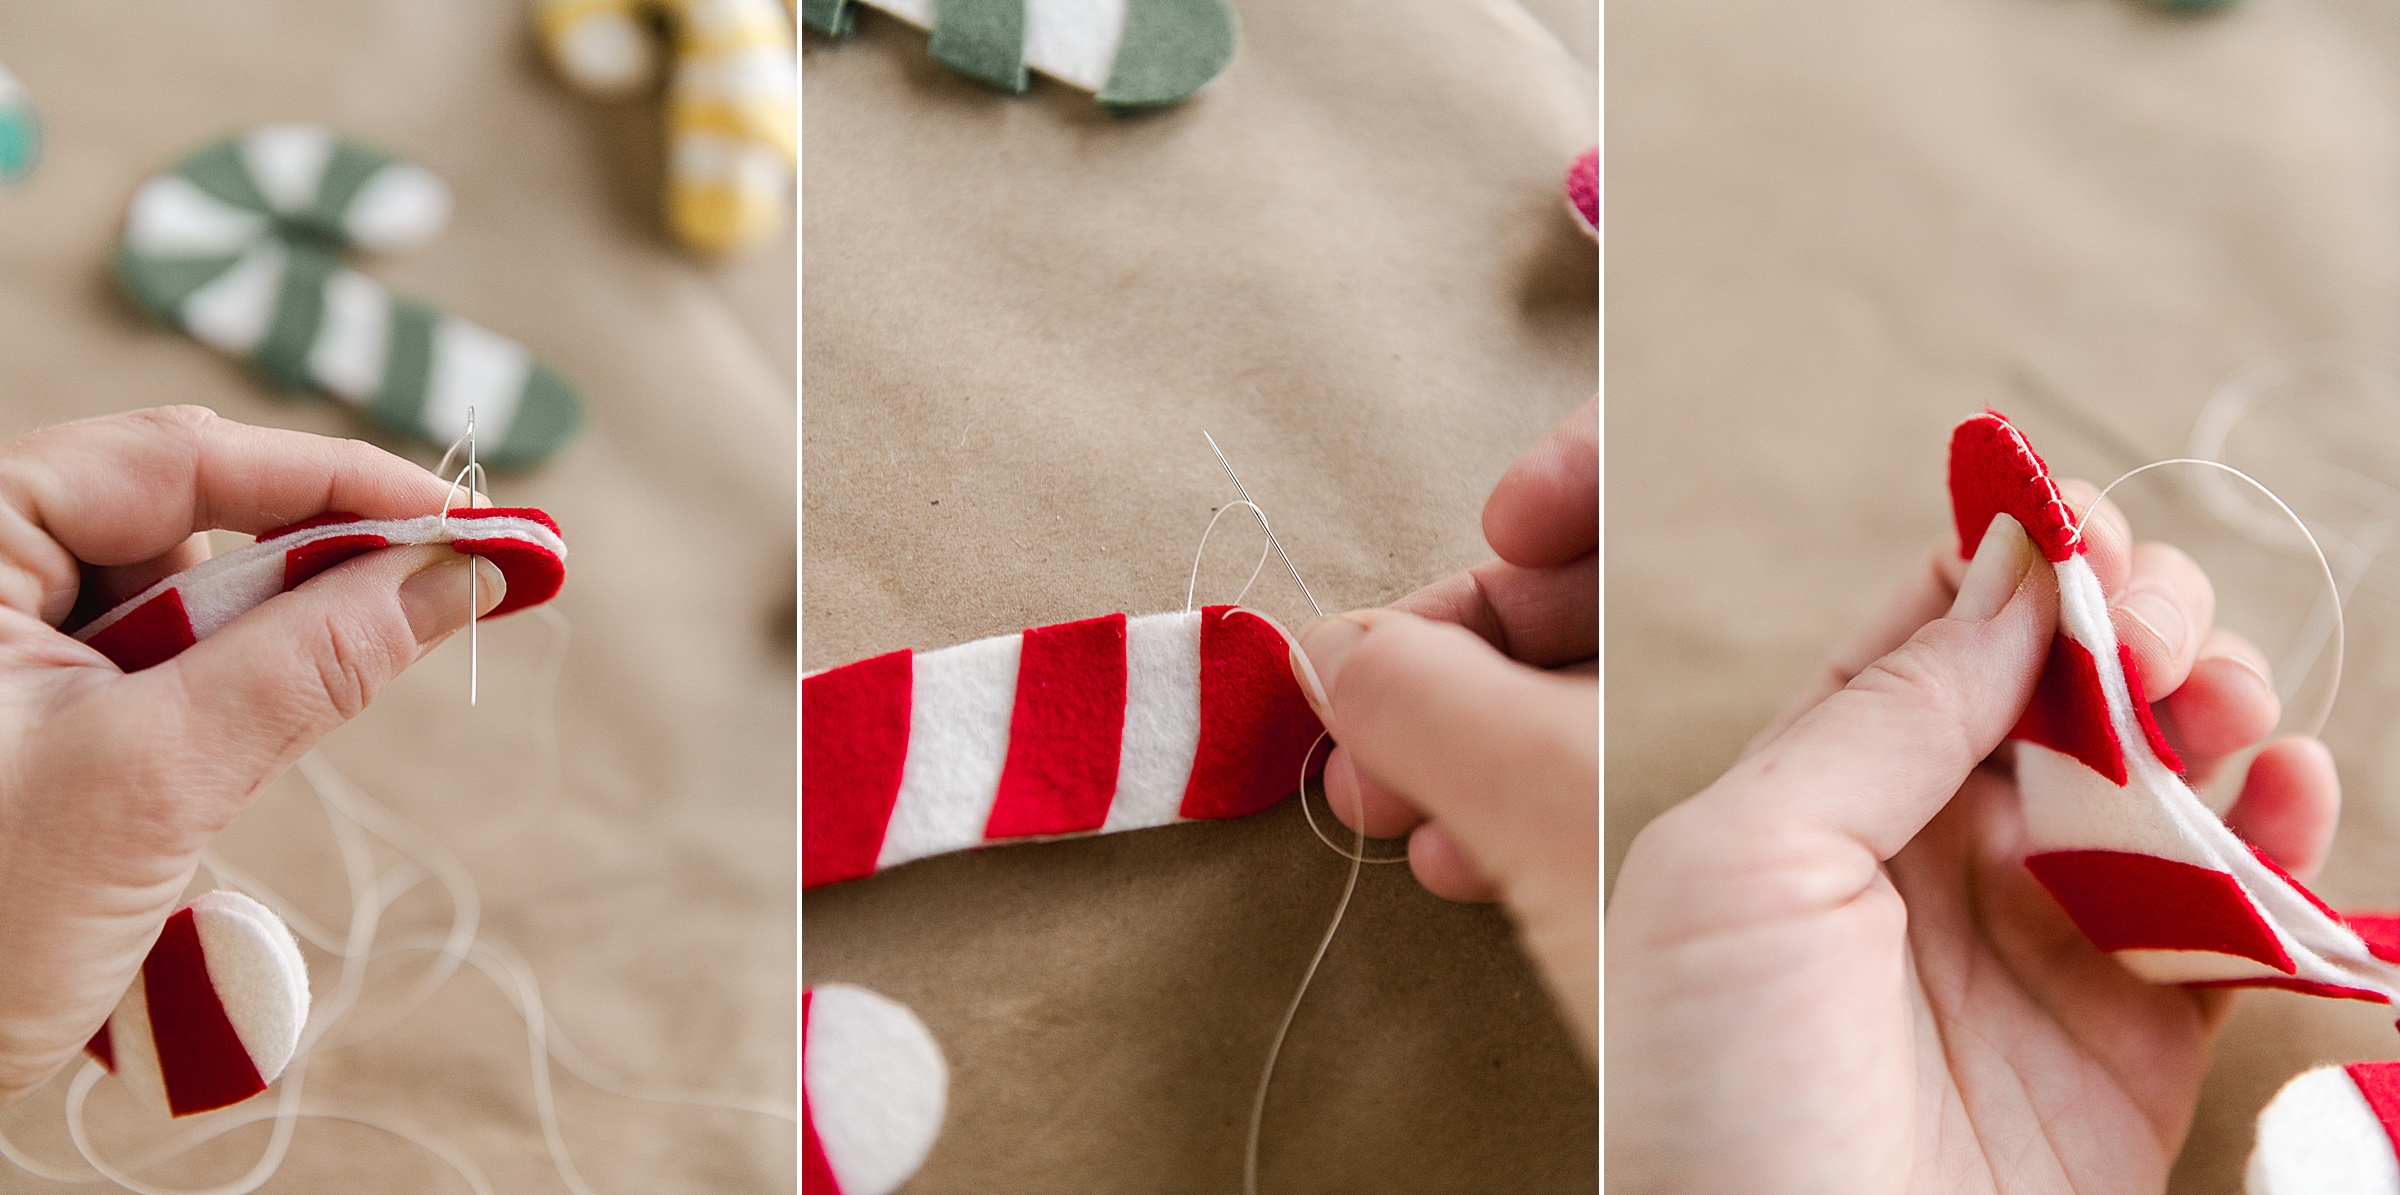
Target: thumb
(1876, 760)
(256, 695)
(1436, 715)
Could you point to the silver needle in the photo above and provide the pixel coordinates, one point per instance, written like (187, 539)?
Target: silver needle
(1262, 524)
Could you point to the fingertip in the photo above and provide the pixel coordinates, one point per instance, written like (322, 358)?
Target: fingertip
(2290, 804)
(1444, 870)
(1364, 805)
(1545, 510)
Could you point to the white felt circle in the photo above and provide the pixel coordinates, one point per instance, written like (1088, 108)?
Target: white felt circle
(259, 975)
(876, 1087)
(2319, 1137)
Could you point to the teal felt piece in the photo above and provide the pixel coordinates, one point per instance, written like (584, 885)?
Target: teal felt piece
(1172, 49)
(983, 38)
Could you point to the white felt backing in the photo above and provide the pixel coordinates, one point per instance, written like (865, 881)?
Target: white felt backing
(2319, 1137)
(876, 1084)
(260, 978)
(959, 711)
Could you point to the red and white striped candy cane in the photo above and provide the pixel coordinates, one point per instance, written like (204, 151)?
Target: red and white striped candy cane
(2147, 869)
(1090, 727)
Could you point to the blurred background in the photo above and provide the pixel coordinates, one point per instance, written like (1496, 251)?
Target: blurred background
(1833, 232)
(651, 893)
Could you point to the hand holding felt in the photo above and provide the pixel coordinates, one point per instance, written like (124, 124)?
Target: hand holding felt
(111, 783)
(1831, 970)
(1467, 715)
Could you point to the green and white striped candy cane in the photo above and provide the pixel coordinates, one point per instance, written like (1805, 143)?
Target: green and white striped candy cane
(1127, 53)
(241, 245)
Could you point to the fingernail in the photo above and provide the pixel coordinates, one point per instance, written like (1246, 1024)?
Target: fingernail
(2156, 615)
(2001, 562)
(435, 597)
(2265, 687)
(1323, 646)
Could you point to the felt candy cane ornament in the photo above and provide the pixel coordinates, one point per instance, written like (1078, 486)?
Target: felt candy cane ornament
(732, 102)
(217, 1010)
(1128, 53)
(1089, 727)
(872, 1091)
(240, 245)
(2145, 868)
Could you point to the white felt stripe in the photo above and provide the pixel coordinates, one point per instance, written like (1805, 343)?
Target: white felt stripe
(134, 1053)
(233, 311)
(287, 162)
(172, 217)
(877, 1087)
(259, 976)
(2319, 1136)
(399, 205)
(959, 709)
(1074, 41)
(238, 573)
(1162, 720)
(473, 367)
(353, 337)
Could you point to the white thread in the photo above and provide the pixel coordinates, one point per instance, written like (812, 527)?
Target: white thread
(1193, 589)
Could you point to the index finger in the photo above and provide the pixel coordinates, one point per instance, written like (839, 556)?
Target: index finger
(1546, 509)
(122, 489)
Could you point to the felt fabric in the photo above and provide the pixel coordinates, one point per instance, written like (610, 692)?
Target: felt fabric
(178, 611)
(217, 1011)
(730, 124)
(873, 1089)
(239, 245)
(2145, 868)
(1583, 191)
(2327, 1133)
(1095, 726)
(1128, 53)
(20, 131)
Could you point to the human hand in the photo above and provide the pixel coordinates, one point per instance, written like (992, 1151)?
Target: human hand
(111, 783)
(1832, 970)
(1467, 716)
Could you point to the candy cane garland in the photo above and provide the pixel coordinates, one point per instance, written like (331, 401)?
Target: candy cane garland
(873, 1088)
(1107, 724)
(1128, 53)
(732, 107)
(217, 1012)
(2146, 869)
(240, 245)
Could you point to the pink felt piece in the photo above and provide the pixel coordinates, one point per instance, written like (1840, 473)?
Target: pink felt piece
(853, 744)
(155, 632)
(2069, 712)
(1255, 727)
(1994, 471)
(2127, 901)
(1065, 731)
(1583, 189)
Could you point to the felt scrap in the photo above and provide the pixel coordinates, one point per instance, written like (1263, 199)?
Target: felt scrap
(873, 1089)
(240, 245)
(1097, 726)
(216, 1013)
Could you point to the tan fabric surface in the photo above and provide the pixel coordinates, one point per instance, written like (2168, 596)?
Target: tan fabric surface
(1836, 230)
(1351, 263)
(653, 900)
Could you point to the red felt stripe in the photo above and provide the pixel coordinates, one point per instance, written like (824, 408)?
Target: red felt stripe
(816, 1174)
(853, 742)
(1065, 731)
(534, 573)
(2381, 931)
(2127, 901)
(104, 1048)
(149, 634)
(2380, 1083)
(315, 556)
(199, 1055)
(2141, 711)
(2069, 712)
(1994, 471)
(1255, 727)
(327, 519)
